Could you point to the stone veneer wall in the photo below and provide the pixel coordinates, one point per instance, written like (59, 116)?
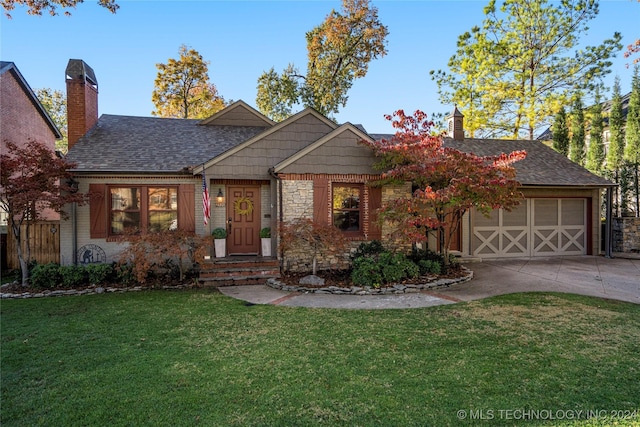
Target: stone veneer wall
(626, 235)
(390, 193)
(297, 200)
(298, 203)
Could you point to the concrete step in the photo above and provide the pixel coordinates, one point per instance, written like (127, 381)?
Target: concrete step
(238, 271)
(235, 280)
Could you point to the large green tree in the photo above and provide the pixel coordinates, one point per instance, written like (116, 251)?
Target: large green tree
(522, 63)
(595, 152)
(616, 144)
(632, 147)
(182, 88)
(339, 51)
(561, 132)
(55, 103)
(576, 150)
(37, 7)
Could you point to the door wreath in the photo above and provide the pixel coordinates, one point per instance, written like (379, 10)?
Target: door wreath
(237, 206)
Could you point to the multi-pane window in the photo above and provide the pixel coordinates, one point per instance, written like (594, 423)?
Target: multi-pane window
(346, 203)
(125, 209)
(163, 208)
(143, 208)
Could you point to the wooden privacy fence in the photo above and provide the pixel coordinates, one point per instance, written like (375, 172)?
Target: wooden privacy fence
(44, 241)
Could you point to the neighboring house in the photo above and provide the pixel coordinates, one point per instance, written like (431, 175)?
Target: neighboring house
(147, 172)
(22, 118)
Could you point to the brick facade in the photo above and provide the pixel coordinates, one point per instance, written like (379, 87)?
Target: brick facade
(82, 108)
(22, 120)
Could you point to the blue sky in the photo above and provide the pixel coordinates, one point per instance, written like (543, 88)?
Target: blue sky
(241, 39)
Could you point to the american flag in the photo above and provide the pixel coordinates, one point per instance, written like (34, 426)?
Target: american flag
(206, 201)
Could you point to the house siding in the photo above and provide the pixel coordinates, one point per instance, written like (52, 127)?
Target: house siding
(340, 154)
(111, 247)
(254, 161)
(237, 117)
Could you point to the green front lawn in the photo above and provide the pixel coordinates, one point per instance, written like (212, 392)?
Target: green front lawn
(198, 357)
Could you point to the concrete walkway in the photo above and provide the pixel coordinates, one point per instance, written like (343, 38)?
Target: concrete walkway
(617, 278)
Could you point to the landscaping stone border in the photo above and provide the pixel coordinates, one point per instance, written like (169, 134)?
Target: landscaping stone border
(368, 290)
(86, 291)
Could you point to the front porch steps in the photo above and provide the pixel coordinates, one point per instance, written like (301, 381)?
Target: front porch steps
(238, 270)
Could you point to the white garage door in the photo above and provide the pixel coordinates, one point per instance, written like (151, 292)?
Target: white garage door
(537, 227)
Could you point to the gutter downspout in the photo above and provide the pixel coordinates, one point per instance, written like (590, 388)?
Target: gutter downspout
(74, 232)
(280, 215)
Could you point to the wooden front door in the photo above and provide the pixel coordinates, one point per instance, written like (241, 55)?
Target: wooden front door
(243, 220)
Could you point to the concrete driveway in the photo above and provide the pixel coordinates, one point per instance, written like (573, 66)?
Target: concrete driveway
(616, 278)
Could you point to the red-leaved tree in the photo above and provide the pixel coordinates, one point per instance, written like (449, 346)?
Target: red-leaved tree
(447, 182)
(33, 179)
(313, 238)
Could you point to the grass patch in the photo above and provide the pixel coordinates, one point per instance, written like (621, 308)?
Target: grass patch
(197, 357)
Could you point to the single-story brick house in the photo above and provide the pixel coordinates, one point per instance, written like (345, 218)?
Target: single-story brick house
(147, 172)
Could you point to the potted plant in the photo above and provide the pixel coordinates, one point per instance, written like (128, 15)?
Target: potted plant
(220, 241)
(265, 239)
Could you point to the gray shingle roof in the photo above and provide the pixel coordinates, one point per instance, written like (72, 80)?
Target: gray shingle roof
(152, 144)
(542, 166)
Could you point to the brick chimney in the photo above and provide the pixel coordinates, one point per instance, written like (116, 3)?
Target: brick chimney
(82, 99)
(455, 121)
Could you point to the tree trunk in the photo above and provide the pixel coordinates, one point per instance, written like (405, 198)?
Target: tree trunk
(24, 265)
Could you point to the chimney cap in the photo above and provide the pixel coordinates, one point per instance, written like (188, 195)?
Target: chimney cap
(78, 69)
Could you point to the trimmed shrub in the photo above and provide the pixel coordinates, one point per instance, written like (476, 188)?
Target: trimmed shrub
(386, 267)
(366, 272)
(73, 275)
(99, 273)
(430, 259)
(45, 276)
(428, 266)
(373, 247)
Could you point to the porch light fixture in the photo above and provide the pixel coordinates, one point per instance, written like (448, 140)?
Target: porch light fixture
(220, 198)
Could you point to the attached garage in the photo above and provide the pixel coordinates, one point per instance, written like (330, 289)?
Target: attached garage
(559, 215)
(537, 227)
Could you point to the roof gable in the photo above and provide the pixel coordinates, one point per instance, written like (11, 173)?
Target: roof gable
(345, 153)
(308, 113)
(12, 69)
(238, 114)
